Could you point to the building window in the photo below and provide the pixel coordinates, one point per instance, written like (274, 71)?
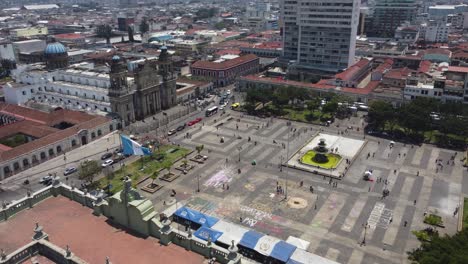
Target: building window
(93, 135)
(24, 92)
(25, 162)
(99, 132)
(59, 149)
(51, 152)
(43, 155)
(111, 128)
(73, 142)
(16, 166)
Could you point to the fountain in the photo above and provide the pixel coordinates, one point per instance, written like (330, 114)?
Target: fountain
(321, 152)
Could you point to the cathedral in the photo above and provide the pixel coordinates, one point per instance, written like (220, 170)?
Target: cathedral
(152, 89)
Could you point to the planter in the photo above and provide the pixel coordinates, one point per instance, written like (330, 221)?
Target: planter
(169, 177)
(151, 187)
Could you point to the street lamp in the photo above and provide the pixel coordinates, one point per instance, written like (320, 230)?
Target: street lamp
(198, 183)
(239, 149)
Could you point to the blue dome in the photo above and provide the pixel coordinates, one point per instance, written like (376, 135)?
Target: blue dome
(116, 58)
(55, 48)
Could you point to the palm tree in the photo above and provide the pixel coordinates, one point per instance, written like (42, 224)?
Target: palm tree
(199, 149)
(184, 163)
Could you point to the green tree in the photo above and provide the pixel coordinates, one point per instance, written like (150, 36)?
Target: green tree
(380, 112)
(199, 148)
(104, 31)
(153, 177)
(220, 25)
(330, 107)
(88, 170)
(313, 104)
(144, 26)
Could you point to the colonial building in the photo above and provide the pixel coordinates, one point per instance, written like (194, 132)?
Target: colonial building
(29, 137)
(225, 72)
(153, 90)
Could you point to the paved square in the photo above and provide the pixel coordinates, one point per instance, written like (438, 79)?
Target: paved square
(333, 217)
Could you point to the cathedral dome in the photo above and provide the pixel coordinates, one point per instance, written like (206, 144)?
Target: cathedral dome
(55, 48)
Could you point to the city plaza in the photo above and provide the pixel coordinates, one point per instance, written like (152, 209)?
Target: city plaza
(250, 180)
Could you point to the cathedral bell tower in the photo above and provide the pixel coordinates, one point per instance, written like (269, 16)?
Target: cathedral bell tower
(168, 89)
(120, 94)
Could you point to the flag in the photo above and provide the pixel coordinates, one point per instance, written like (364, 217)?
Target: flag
(131, 147)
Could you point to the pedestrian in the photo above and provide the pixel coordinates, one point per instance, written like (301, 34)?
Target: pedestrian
(301, 183)
(414, 202)
(373, 154)
(417, 173)
(311, 189)
(227, 188)
(240, 219)
(223, 186)
(406, 223)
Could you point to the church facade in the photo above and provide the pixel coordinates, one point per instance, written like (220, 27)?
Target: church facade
(153, 88)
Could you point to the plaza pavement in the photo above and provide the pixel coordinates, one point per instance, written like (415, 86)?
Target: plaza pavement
(332, 219)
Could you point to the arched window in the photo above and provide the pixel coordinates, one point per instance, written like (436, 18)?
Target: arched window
(25, 162)
(59, 149)
(43, 155)
(99, 132)
(73, 142)
(111, 128)
(6, 170)
(34, 159)
(51, 152)
(93, 135)
(16, 166)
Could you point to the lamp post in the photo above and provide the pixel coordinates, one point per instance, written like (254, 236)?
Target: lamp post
(198, 183)
(239, 150)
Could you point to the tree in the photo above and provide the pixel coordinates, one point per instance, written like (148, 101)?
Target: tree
(441, 250)
(88, 170)
(199, 148)
(153, 177)
(104, 31)
(168, 167)
(330, 107)
(220, 25)
(130, 34)
(144, 26)
(314, 104)
(380, 112)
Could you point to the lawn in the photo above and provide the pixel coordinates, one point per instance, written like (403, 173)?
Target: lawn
(465, 213)
(305, 115)
(164, 156)
(333, 160)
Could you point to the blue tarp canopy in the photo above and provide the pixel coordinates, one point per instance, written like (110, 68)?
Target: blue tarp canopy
(205, 233)
(283, 251)
(250, 239)
(196, 217)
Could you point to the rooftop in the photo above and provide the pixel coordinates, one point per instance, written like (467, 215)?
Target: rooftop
(89, 237)
(458, 69)
(224, 64)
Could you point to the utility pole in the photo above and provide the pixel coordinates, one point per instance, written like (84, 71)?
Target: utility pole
(287, 159)
(198, 183)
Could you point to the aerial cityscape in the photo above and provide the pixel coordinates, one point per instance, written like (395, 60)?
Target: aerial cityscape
(268, 131)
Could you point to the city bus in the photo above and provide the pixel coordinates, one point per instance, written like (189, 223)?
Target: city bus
(211, 111)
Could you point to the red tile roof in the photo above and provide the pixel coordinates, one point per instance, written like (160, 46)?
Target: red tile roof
(39, 124)
(320, 85)
(400, 74)
(458, 69)
(424, 66)
(69, 36)
(384, 66)
(227, 64)
(350, 73)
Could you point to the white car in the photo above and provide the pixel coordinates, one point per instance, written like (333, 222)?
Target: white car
(228, 92)
(221, 107)
(45, 179)
(107, 163)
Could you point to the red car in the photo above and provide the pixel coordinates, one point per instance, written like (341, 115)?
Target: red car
(198, 120)
(191, 123)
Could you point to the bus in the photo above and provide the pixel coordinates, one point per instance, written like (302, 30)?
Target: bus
(211, 111)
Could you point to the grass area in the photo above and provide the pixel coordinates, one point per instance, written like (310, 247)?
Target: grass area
(161, 158)
(434, 220)
(14, 141)
(303, 115)
(333, 160)
(465, 213)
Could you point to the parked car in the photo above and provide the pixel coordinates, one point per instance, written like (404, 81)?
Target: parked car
(228, 92)
(198, 119)
(118, 150)
(171, 132)
(106, 156)
(191, 123)
(26, 182)
(69, 171)
(119, 157)
(107, 163)
(45, 179)
(181, 127)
